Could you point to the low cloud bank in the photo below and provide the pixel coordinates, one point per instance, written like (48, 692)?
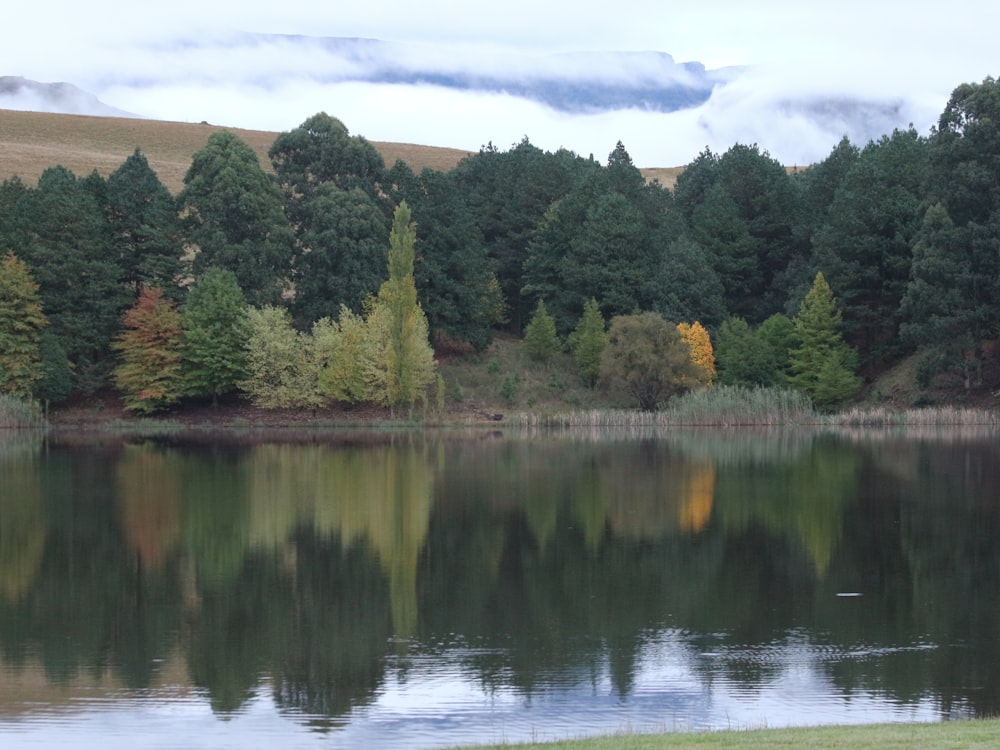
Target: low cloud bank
(463, 96)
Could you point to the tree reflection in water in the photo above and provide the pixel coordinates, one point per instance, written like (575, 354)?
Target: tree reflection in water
(535, 562)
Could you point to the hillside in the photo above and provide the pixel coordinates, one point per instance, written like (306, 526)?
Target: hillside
(33, 141)
(30, 142)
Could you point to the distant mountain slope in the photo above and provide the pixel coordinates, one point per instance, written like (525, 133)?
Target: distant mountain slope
(65, 98)
(32, 142)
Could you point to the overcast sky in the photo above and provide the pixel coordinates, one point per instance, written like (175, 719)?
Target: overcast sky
(911, 55)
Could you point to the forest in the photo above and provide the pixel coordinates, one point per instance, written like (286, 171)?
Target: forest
(335, 277)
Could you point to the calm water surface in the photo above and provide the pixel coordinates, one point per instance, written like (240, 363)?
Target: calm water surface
(399, 591)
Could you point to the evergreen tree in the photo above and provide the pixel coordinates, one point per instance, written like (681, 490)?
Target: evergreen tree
(215, 332)
(595, 242)
(864, 248)
(695, 182)
(150, 373)
(965, 180)
(342, 253)
(21, 324)
(823, 365)
(145, 227)
(55, 380)
(234, 215)
(15, 213)
(717, 227)
(820, 182)
(685, 286)
(587, 341)
(75, 265)
(743, 356)
(508, 194)
(456, 285)
(767, 201)
(965, 154)
(540, 341)
(321, 151)
(778, 332)
(947, 305)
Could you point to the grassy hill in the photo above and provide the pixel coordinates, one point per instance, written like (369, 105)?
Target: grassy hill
(30, 142)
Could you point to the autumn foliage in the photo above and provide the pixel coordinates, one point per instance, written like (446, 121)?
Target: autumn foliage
(21, 322)
(702, 354)
(150, 371)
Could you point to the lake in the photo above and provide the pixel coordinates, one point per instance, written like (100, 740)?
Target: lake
(403, 590)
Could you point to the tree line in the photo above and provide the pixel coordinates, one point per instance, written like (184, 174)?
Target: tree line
(898, 237)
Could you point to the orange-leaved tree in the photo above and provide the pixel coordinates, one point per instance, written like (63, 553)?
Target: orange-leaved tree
(702, 353)
(150, 373)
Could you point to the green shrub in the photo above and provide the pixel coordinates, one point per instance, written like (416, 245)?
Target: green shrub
(509, 389)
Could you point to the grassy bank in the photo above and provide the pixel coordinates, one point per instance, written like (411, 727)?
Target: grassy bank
(501, 384)
(943, 736)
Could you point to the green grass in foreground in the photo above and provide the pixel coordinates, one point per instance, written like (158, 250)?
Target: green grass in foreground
(940, 736)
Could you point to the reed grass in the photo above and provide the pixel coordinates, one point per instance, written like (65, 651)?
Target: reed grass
(18, 414)
(742, 406)
(723, 406)
(940, 416)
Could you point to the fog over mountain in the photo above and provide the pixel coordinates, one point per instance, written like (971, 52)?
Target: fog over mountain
(64, 98)
(463, 96)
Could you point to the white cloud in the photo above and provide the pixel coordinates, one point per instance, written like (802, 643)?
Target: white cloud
(864, 55)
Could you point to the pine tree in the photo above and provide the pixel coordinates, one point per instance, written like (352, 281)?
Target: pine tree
(587, 341)
(234, 214)
(743, 356)
(823, 365)
(21, 324)
(150, 373)
(79, 279)
(145, 226)
(540, 341)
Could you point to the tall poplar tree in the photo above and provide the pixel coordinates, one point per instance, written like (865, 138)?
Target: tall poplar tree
(405, 363)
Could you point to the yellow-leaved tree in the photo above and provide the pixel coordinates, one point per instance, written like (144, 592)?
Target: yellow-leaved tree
(404, 363)
(702, 353)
